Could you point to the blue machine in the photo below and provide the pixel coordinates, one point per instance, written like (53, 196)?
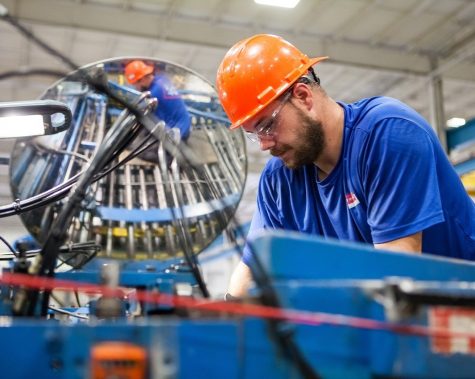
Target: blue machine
(388, 291)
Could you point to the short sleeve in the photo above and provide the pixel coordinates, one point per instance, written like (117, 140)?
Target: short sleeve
(400, 180)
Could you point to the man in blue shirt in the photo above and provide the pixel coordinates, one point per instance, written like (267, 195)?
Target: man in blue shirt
(372, 171)
(171, 107)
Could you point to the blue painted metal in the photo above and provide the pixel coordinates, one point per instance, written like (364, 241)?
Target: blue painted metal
(462, 138)
(167, 214)
(309, 274)
(320, 275)
(292, 256)
(465, 167)
(460, 135)
(134, 274)
(178, 349)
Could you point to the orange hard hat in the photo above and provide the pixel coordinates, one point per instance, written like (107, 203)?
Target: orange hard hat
(136, 70)
(255, 71)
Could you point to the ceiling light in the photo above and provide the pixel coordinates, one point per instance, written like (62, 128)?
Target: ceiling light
(278, 3)
(455, 122)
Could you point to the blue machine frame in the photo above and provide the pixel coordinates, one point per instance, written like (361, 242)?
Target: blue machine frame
(309, 274)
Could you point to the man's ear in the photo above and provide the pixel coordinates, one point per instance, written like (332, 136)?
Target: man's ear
(303, 95)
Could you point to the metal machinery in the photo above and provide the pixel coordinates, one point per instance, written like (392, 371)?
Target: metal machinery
(330, 309)
(131, 211)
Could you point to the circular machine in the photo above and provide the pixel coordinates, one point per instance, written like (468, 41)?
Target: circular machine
(148, 203)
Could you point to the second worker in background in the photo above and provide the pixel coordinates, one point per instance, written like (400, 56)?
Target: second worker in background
(170, 107)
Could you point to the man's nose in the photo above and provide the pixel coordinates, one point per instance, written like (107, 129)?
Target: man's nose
(266, 143)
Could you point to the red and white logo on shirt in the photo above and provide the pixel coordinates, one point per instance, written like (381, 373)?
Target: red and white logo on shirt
(351, 200)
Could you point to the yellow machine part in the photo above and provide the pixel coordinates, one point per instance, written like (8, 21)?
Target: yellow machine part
(468, 181)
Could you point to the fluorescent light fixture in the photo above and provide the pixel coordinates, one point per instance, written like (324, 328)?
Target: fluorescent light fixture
(455, 122)
(21, 126)
(278, 3)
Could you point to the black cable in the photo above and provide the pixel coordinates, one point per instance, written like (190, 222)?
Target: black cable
(54, 238)
(281, 333)
(44, 198)
(279, 329)
(119, 131)
(15, 253)
(76, 295)
(102, 87)
(86, 249)
(60, 191)
(29, 35)
(50, 250)
(31, 72)
(178, 223)
(268, 295)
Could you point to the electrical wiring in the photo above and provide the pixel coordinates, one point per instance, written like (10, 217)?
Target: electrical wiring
(61, 190)
(123, 126)
(50, 256)
(11, 256)
(9, 246)
(277, 327)
(78, 301)
(99, 85)
(31, 72)
(85, 249)
(31, 36)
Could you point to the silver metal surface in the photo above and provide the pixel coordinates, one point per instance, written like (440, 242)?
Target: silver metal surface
(157, 203)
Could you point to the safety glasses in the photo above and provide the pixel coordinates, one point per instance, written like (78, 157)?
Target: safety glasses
(265, 128)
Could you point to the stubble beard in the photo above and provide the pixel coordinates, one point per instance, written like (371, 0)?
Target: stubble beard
(309, 145)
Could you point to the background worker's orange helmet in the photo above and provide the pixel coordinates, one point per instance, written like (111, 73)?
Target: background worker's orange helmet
(255, 71)
(136, 70)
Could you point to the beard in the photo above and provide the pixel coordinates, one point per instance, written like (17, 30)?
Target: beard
(309, 144)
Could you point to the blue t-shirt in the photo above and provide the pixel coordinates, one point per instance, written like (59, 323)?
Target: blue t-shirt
(393, 179)
(171, 107)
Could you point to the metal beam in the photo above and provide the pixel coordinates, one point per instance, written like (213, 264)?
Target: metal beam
(437, 113)
(186, 29)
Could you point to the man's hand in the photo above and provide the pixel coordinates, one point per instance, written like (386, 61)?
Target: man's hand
(240, 280)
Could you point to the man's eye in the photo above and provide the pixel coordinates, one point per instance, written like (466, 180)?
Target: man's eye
(264, 127)
(267, 127)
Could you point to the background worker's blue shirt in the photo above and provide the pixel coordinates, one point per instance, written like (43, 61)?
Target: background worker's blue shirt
(392, 180)
(171, 107)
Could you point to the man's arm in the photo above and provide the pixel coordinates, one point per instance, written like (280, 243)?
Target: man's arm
(240, 280)
(409, 244)
(242, 277)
